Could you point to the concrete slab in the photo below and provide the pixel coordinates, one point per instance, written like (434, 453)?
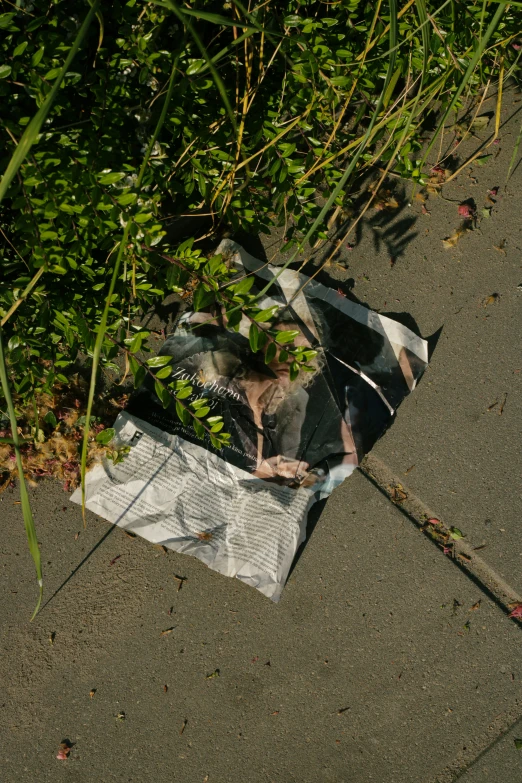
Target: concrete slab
(500, 761)
(373, 667)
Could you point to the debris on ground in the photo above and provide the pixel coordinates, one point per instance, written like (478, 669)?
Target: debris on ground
(64, 750)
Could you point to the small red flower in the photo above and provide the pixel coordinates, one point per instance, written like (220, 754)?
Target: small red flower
(517, 611)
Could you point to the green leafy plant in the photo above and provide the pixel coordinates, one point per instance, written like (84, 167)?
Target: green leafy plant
(271, 116)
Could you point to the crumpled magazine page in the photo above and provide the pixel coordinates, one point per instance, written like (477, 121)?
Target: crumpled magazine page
(242, 509)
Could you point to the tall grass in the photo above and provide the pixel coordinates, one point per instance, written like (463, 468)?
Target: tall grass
(22, 149)
(24, 497)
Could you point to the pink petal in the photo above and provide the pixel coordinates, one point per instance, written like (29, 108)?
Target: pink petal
(62, 754)
(433, 521)
(465, 210)
(517, 611)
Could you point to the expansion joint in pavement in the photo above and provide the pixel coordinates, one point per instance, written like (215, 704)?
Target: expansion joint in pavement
(447, 539)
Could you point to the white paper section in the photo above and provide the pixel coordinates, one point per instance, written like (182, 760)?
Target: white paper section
(182, 496)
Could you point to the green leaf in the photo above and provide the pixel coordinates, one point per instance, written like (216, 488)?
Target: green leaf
(234, 320)
(183, 414)
(194, 67)
(482, 160)
(52, 74)
(5, 71)
(455, 533)
(182, 394)
(253, 336)
(50, 419)
(200, 403)
(35, 23)
(139, 376)
(143, 217)
(244, 285)
(110, 178)
(262, 339)
(270, 353)
(159, 361)
(202, 412)
(287, 336)
(163, 394)
(37, 56)
(6, 19)
(198, 428)
(518, 743)
(138, 340)
(164, 372)
(126, 199)
(105, 436)
(202, 298)
(133, 364)
(20, 49)
(266, 315)
(287, 149)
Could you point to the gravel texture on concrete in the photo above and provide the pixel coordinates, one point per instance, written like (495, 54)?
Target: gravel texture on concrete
(374, 666)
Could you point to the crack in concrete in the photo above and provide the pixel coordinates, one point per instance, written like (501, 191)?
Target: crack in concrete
(480, 572)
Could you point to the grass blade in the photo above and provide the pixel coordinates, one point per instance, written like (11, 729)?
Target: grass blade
(123, 245)
(351, 167)
(514, 155)
(465, 79)
(33, 129)
(25, 293)
(214, 18)
(24, 497)
(22, 150)
(423, 19)
(213, 70)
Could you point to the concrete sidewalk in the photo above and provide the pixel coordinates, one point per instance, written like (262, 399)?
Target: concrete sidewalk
(384, 660)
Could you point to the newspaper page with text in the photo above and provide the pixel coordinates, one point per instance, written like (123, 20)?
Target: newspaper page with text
(242, 509)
